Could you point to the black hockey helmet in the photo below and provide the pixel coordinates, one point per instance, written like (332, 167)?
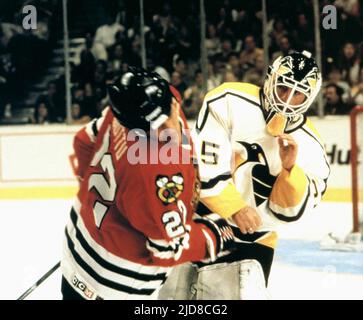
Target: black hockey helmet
(140, 99)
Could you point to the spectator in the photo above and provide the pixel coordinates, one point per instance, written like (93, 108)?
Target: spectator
(242, 23)
(54, 102)
(89, 101)
(105, 34)
(77, 93)
(184, 42)
(178, 83)
(115, 63)
(248, 55)
(7, 81)
(349, 6)
(284, 46)
(216, 70)
(133, 55)
(212, 42)
(256, 74)
(100, 75)
(98, 49)
(167, 33)
(303, 35)
(181, 66)
(349, 63)
(193, 96)
(226, 49)
(335, 77)
(233, 65)
(334, 104)
(84, 72)
(276, 34)
(121, 38)
(229, 76)
(78, 117)
(42, 114)
(101, 99)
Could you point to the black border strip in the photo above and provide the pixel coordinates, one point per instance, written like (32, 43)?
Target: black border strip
(213, 182)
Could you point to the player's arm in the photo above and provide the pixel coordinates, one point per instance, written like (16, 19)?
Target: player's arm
(171, 236)
(297, 189)
(83, 144)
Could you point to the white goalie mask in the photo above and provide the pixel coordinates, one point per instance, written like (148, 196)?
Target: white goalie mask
(295, 73)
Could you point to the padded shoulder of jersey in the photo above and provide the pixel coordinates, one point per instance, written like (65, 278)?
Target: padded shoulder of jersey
(243, 88)
(313, 131)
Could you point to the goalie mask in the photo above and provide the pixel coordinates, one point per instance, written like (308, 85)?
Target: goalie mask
(292, 83)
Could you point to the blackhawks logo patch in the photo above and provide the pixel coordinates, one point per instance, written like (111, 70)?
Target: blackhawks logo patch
(168, 190)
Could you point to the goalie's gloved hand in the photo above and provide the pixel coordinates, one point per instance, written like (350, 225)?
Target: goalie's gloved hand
(222, 231)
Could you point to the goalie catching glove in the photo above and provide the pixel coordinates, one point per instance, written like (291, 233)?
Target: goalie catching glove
(224, 237)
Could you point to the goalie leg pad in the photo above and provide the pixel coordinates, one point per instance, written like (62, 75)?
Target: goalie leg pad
(252, 281)
(240, 280)
(180, 284)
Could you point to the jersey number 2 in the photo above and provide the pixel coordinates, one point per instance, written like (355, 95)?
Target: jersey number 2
(105, 189)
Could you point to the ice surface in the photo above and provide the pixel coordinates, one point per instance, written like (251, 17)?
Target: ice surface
(32, 232)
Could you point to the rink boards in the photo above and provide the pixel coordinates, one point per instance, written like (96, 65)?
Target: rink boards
(35, 160)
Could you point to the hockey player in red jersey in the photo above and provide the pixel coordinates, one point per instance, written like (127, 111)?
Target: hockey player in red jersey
(132, 218)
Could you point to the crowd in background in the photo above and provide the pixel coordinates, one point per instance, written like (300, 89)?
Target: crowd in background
(234, 47)
(24, 53)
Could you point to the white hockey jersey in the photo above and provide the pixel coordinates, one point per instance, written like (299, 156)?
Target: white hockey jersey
(239, 162)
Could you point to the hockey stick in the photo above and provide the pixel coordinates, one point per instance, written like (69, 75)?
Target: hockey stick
(35, 285)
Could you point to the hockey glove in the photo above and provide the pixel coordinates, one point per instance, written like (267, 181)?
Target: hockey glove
(222, 232)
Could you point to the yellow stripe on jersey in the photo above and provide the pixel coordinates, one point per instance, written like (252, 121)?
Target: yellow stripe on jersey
(228, 202)
(65, 192)
(242, 87)
(269, 239)
(312, 128)
(289, 188)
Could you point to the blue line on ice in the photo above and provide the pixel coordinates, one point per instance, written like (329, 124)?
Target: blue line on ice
(307, 254)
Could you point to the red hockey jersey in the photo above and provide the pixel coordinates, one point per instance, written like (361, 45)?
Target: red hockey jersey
(131, 222)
